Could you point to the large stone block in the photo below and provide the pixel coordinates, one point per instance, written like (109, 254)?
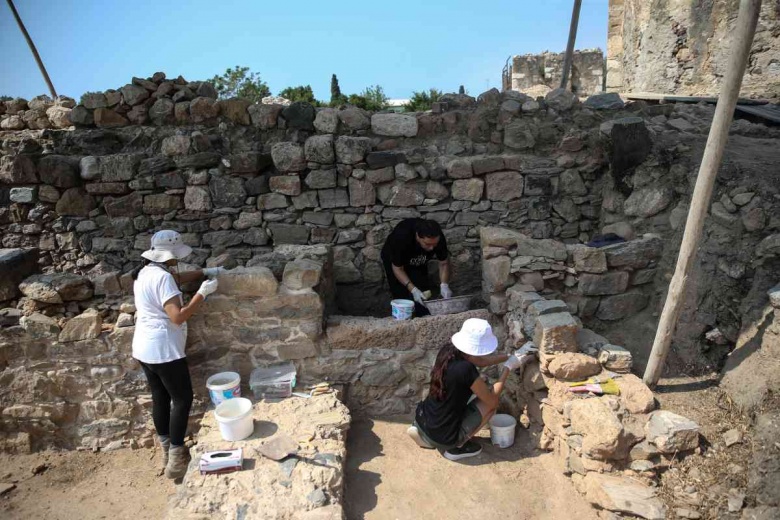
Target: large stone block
(288, 157)
(75, 202)
(533, 308)
(499, 237)
(547, 248)
(604, 437)
(302, 274)
(603, 284)
(57, 288)
(623, 495)
(434, 332)
(160, 203)
(635, 395)
(128, 206)
(247, 282)
(634, 254)
(615, 358)
(59, 170)
(18, 169)
(119, 167)
(363, 333)
(394, 125)
(322, 179)
(504, 186)
(361, 193)
(589, 259)
(15, 264)
(289, 233)
(285, 184)
(352, 150)
(40, 326)
(631, 143)
(671, 433)
(621, 305)
(572, 366)
(468, 189)
(86, 325)
(401, 195)
(648, 201)
(495, 274)
(227, 191)
(556, 332)
(319, 149)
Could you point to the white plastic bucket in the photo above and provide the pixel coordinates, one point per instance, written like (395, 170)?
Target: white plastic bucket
(402, 309)
(224, 386)
(234, 417)
(502, 430)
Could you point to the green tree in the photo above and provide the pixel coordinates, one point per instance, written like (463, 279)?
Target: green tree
(5, 98)
(336, 97)
(372, 98)
(300, 93)
(239, 82)
(461, 90)
(421, 101)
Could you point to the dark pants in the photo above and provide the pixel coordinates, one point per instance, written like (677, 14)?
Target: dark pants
(171, 397)
(418, 276)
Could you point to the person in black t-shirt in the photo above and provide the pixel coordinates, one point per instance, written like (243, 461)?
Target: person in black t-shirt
(459, 402)
(405, 255)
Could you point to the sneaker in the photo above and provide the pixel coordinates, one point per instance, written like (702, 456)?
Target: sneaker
(414, 433)
(470, 449)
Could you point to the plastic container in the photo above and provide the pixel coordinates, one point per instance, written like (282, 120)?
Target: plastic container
(502, 430)
(450, 305)
(224, 386)
(234, 417)
(274, 381)
(402, 309)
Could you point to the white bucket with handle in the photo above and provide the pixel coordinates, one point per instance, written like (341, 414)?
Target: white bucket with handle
(502, 430)
(402, 309)
(234, 417)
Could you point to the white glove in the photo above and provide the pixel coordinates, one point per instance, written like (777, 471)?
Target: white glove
(207, 287)
(213, 272)
(446, 292)
(513, 363)
(418, 295)
(528, 348)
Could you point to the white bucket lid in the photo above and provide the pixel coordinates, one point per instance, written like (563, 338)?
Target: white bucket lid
(233, 378)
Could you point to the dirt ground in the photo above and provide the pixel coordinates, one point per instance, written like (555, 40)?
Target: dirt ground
(119, 485)
(389, 478)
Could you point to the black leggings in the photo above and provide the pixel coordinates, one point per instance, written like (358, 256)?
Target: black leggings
(170, 382)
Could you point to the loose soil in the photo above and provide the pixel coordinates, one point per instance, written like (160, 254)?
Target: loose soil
(118, 485)
(389, 478)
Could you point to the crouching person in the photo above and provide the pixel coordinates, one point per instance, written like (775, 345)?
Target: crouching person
(459, 402)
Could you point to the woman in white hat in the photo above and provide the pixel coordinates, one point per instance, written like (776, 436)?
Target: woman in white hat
(160, 335)
(450, 415)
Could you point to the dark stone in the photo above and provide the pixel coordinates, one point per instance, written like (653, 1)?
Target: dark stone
(170, 180)
(289, 233)
(223, 238)
(250, 162)
(17, 169)
(155, 165)
(300, 116)
(227, 191)
(634, 254)
(631, 143)
(128, 206)
(377, 160)
(601, 284)
(75, 202)
(537, 185)
(59, 171)
(198, 160)
(16, 265)
(257, 185)
(621, 305)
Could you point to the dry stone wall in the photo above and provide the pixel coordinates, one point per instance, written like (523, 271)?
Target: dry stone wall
(531, 70)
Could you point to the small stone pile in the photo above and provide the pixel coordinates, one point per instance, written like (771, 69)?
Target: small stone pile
(611, 445)
(608, 283)
(39, 113)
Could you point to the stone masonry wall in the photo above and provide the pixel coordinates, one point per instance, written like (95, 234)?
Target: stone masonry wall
(586, 76)
(682, 47)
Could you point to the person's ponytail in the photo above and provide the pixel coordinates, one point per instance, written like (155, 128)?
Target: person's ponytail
(443, 358)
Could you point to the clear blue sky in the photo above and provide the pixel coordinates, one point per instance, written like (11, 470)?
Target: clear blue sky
(403, 45)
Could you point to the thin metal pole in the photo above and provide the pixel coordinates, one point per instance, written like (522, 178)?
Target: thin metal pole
(33, 49)
(575, 20)
(702, 193)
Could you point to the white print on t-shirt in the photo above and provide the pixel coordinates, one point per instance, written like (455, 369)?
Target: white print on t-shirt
(418, 260)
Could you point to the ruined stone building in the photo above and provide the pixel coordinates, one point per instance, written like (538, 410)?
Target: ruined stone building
(682, 47)
(529, 70)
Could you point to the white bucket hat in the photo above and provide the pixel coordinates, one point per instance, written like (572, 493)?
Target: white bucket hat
(166, 245)
(475, 338)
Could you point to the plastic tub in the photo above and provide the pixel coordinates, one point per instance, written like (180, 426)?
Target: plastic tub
(502, 430)
(402, 309)
(274, 381)
(234, 417)
(224, 386)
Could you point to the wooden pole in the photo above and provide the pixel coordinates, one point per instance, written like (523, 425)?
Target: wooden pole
(702, 193)
(33, 49)
(575, 20)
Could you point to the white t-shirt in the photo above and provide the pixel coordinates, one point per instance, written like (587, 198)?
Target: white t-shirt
(157, 339)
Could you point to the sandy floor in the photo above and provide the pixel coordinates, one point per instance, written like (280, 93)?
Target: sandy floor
(83, 485)
(390, 478)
